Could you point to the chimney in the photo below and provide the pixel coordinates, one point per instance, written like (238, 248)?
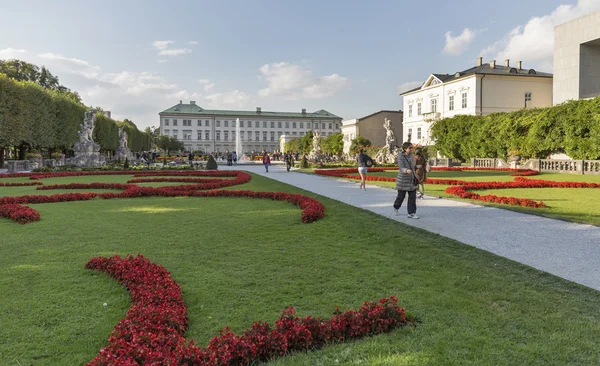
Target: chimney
(303, 110)
(493, 64)
(507, 62)
(181, 101)
(479, 61)
(519, 65)
(258, 110)
(192, 102)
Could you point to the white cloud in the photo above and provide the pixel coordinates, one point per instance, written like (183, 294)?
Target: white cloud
(161, 61)
(209, 86)
(408, 86)
(534, 42)
(164, 50)
(174, 52)
(204, 81)
(292, 81)
(232, 99)
(162, 45)
(193, 42)
(10, 53)
(72, 65)
(459, 44)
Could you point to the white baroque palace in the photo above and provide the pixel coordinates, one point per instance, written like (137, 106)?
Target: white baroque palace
(214, 130)
(480, 90)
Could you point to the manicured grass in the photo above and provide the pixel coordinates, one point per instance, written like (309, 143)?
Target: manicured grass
(239, 260)
(571, 204)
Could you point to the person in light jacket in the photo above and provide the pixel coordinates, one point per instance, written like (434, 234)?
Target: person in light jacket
(406, 181)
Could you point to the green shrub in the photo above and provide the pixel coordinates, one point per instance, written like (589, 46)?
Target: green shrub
(304, 162)
(126, 164)
(211, 164)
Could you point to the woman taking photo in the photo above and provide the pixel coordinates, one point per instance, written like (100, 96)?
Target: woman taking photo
(363, 160)
(406, 181)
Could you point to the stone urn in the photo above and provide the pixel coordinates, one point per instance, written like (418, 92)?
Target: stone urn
(515, 158)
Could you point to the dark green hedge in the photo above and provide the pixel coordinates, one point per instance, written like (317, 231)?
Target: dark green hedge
(43, 118)
(572, 127)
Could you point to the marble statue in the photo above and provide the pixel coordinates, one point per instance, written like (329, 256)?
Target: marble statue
(87, 152)
(87, 128)
(123, 138)
(390, 138)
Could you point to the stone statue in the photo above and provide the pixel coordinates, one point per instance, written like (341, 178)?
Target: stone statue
(390, 138)
(123, 137)
(316, 152)
(87, 128)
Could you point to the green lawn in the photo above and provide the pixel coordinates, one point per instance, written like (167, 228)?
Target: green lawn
(571, 204)
(239, 260)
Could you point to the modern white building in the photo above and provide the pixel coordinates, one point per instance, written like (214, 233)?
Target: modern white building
(214, 130)
(577, 58)
(480, 90)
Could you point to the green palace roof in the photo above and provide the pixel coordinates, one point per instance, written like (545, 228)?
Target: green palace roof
(193, 108)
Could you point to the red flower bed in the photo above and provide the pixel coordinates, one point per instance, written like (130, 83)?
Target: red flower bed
(152, 331)
(18, 213)
(515, 172)
(180, 180)
(23, 184)
(84, 186)
(312, 209)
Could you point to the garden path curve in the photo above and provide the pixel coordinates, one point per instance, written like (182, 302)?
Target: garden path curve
(567, 250)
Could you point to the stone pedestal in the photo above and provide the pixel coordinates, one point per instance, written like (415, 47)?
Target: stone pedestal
(87, 154)
(123, 153)
(384, 156)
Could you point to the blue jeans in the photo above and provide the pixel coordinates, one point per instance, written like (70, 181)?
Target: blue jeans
(267, 167)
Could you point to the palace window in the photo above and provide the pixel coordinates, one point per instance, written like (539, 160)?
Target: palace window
(464, 100)
(272, 124)
(264, 136)
(419, 133)
(527, 99)
(207, 135)
(256, 135)
(199, 123)
(218, 136)
(218, 124)
(174, 122)
(451, 102)
(264, 124)
(410, 110)
(419, 109)
(226, 124)
(199, 135)
(175, 133)
(294, 125)
(434, 105)
(241, 123)
(330, 126)
(301, 124)
(287, 125)
(166, 122)
(316, 125)
(207, 123)
(226, 135)
(272, 136)
(256, 124)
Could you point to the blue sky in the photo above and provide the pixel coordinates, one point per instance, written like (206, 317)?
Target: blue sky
(137, 58)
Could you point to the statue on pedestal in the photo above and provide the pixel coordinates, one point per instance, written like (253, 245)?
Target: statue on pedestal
(123, 152)
(87, 152)
(387, 154)
(316, 153)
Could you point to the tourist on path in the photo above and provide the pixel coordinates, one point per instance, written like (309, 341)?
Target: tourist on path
(191, 158)
(266, 160)
(406, 181)
(288, 160)
(363, 160)
(234, 157)
(421, 171)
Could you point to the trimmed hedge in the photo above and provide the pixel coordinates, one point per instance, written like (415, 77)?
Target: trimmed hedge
(572, 127)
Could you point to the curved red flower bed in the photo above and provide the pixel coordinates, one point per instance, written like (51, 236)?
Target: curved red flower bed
(312, 209)
(22, 184)
(152, 331)
(178, 180)
(18, 213)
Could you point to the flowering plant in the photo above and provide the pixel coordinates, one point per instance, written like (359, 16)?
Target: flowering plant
(515, 151)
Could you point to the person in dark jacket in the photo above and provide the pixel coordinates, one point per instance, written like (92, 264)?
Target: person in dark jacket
(421, 171)
(363, 160)
(406, 181)
(266, 160)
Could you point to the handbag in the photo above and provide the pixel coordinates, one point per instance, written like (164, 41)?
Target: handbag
(415, 181)
(369, 163)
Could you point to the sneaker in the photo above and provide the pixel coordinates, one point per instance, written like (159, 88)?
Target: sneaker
(413, 216)
(395, 212)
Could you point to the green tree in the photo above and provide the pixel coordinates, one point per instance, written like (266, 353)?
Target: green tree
(334, 144)
(357, 143)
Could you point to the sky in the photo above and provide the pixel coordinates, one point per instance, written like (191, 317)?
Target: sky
(352, 58)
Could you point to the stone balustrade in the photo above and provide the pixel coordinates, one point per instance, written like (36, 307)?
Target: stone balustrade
(544, 165)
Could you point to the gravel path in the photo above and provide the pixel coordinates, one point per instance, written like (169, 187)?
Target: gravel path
(567, 250)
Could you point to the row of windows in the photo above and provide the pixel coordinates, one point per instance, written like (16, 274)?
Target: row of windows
(188, 122)
(187, 135)
(418, 133)
(433, 103)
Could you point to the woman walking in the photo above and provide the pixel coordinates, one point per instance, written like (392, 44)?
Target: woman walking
(266, 160)
(363, 161)
(406, 181)
(421, 171)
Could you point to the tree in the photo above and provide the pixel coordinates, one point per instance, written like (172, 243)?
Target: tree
(334, 144)
(168, 144)
(357, 143)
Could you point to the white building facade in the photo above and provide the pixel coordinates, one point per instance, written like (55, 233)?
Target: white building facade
(481, 90)
(214, 130)
(577, 59)
(350, 132)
